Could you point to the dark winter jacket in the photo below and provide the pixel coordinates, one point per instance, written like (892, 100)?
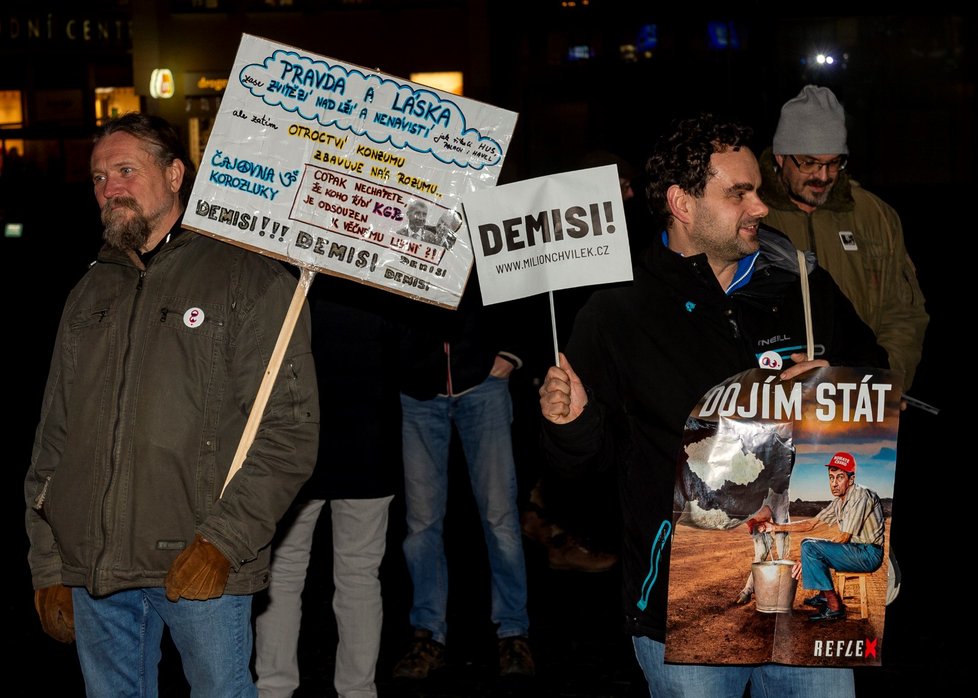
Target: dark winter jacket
(447, 352)
(152, 379)
(649, 350)
(355, 344)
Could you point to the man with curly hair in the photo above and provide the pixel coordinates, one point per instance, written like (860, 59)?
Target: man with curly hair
(715, 292)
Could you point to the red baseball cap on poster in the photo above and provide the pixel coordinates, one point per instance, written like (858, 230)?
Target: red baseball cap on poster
(843, 461)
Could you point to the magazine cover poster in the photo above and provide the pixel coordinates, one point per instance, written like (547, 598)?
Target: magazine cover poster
(348, 171)
(817, 452)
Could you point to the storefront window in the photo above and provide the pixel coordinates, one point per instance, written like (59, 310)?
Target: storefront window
(448, 81)
(111, 102)
(11, 117)
(11, 110)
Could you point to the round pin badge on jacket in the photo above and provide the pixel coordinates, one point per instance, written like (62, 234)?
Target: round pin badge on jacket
(770, 359)
(193, 317)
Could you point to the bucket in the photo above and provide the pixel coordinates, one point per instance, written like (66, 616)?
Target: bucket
(774, 589)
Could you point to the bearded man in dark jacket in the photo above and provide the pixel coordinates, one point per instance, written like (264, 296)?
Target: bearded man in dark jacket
(141, 516)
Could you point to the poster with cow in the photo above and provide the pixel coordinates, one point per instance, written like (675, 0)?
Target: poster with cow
(782, 514)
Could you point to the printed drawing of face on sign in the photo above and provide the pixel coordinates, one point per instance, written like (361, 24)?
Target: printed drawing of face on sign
(729, 466)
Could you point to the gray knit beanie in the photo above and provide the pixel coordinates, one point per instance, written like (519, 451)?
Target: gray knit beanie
(813, 123)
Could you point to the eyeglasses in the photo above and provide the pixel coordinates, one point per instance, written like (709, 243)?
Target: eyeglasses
(810, 166)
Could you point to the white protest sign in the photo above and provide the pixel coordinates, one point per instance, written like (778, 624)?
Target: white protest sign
(339, 169)
(544, 234)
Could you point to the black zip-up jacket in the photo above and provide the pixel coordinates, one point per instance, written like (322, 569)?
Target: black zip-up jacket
(447, 352)
(648, 351)
(355, 345)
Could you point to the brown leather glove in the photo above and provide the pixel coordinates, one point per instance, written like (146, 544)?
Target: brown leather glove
(56, 611)
(199, 572)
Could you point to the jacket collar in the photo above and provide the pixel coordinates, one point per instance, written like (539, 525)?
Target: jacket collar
(776, 251)
(176, 237)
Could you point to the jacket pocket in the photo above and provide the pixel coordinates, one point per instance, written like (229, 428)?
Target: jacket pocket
(300, 372)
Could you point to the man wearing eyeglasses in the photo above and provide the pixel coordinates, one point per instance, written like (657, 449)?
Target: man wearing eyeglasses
(856, 236)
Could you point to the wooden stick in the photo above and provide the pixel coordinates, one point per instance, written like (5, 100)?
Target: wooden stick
(553, 327)
(274, 362)
(807, 303)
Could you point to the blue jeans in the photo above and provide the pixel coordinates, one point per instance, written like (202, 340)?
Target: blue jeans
(818, 556)
(483, 418)
(118, 640)
(766, 680)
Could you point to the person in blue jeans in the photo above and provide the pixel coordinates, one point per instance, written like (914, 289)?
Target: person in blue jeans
(713, 292)
(456, 374)
(858, 513)
(139, 514)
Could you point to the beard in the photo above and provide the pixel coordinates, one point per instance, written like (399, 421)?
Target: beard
(126, 228)
(724, 246)
(807, 197)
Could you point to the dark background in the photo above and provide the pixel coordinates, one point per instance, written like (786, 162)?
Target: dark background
(908, 85)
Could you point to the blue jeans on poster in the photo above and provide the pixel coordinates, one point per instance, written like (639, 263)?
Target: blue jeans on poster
(818, 556)
(483, 417)
(118, 640)
(765, 680)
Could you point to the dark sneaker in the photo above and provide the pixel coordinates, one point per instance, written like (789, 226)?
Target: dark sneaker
(515, 658)
(817, 601)
(423, 657)
(827, 614)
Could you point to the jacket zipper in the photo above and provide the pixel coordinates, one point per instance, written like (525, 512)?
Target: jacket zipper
(116, 456)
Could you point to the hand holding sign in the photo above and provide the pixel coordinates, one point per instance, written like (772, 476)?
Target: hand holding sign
(562, 395)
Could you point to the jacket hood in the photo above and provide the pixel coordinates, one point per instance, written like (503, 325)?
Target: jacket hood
(773, 192)
(778, 252)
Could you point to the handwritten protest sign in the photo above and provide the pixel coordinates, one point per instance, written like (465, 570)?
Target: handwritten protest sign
(339, 169)
(549, 233)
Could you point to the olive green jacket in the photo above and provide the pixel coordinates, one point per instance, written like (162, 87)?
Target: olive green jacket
(153, 375)
(858, 239)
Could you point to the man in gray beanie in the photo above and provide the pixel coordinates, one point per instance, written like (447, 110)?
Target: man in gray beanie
(855, 235)
(812, 122)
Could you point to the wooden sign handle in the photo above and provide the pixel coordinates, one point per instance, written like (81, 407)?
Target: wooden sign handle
(274, 362)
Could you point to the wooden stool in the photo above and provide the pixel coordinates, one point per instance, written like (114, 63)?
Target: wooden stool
(842, 578)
